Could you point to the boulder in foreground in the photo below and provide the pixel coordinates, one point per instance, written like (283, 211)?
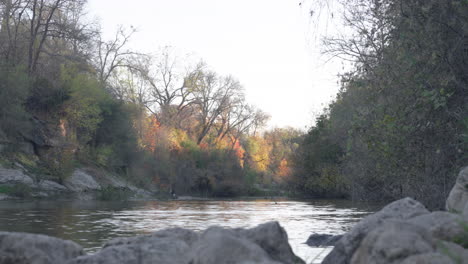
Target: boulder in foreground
(22, 248)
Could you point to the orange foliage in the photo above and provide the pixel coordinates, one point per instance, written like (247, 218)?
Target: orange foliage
(284, 170)
(149, 139)
(239, 150)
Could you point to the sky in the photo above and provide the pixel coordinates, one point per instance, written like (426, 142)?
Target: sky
(270, 46)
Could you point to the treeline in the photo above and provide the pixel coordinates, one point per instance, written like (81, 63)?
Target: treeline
(69, 98)
(399, 124)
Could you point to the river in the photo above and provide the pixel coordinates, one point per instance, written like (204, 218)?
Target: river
(91, 223)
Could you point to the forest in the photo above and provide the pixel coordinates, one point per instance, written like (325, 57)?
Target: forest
(70, 98)
(398, 126)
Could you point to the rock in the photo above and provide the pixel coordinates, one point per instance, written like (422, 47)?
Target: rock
(162, 251)
(26, 147)
(80, 181)
(219, 245)
(441, 225)
(22, 248)
(266, 243)
(429, 258)
(272, 238)
(399, 210)
(322, 240)
(458, 196)
(4, 197)
(465, 212)
(50, 186)
(177, 233)
(393, 242)
(166, 246)
(14, 176)
(457, 253)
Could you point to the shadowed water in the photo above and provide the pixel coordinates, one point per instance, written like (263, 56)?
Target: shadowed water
(92, 223)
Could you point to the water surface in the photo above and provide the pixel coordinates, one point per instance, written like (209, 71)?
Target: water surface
(92, 223)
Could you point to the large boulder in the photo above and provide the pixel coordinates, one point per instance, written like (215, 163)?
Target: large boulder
(188, 236)
(81, 181)
(428, 258)
(458, 197)
(170, 249)
(441, 225)
(218, 245)
(14, 176)
(21, 248)
(50, 186)
(399, 210)
(393, 242)
(273, 239)
(267, 243)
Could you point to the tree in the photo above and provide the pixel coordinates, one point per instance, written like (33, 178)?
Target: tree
(213, 95)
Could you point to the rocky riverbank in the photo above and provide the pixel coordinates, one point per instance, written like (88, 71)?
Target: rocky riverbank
(402, 232)
(82, 184)
(406, 232)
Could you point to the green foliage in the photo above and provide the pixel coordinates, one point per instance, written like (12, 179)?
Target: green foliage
(14, 91)
(398, 125)
(59, 164)
(85, 106)
(17, 190)
(462, 239)
(47, 97)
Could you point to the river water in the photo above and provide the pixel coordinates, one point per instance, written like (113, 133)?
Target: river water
(92, 223)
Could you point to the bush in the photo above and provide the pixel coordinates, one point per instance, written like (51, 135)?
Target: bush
(14, 91)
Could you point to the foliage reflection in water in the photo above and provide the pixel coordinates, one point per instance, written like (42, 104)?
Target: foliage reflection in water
(92, 223)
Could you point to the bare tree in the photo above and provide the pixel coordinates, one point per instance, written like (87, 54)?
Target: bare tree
(114, 54)
(214, 95)
(368, 24)
(170, 87)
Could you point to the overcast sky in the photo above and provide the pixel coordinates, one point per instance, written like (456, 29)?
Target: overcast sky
(267, 44)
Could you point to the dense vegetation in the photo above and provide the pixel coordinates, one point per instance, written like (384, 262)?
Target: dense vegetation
(399, 124)
(69, 98)
(398, 127)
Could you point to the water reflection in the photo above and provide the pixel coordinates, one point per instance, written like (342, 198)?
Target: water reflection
(92, 223)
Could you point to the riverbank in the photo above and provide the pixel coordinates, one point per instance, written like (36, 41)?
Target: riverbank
(17, 182)
(402, 232)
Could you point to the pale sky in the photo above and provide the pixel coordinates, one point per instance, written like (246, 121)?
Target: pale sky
(267, 44)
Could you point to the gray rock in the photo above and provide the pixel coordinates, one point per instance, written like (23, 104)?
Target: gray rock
(323, 240)
(272, 238)
(21, 248)
(50, 186)
(428, 258)
(80, 181)
(26, 147)
(458, 196)
(441, 225)
(266, 243)
(457, 253)
(177, 233)
(161, 251)
(465, 212)
(218, 245)
(399, 210)
(4, 197)
(393, 242)
(14, 176)
(166, 246)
